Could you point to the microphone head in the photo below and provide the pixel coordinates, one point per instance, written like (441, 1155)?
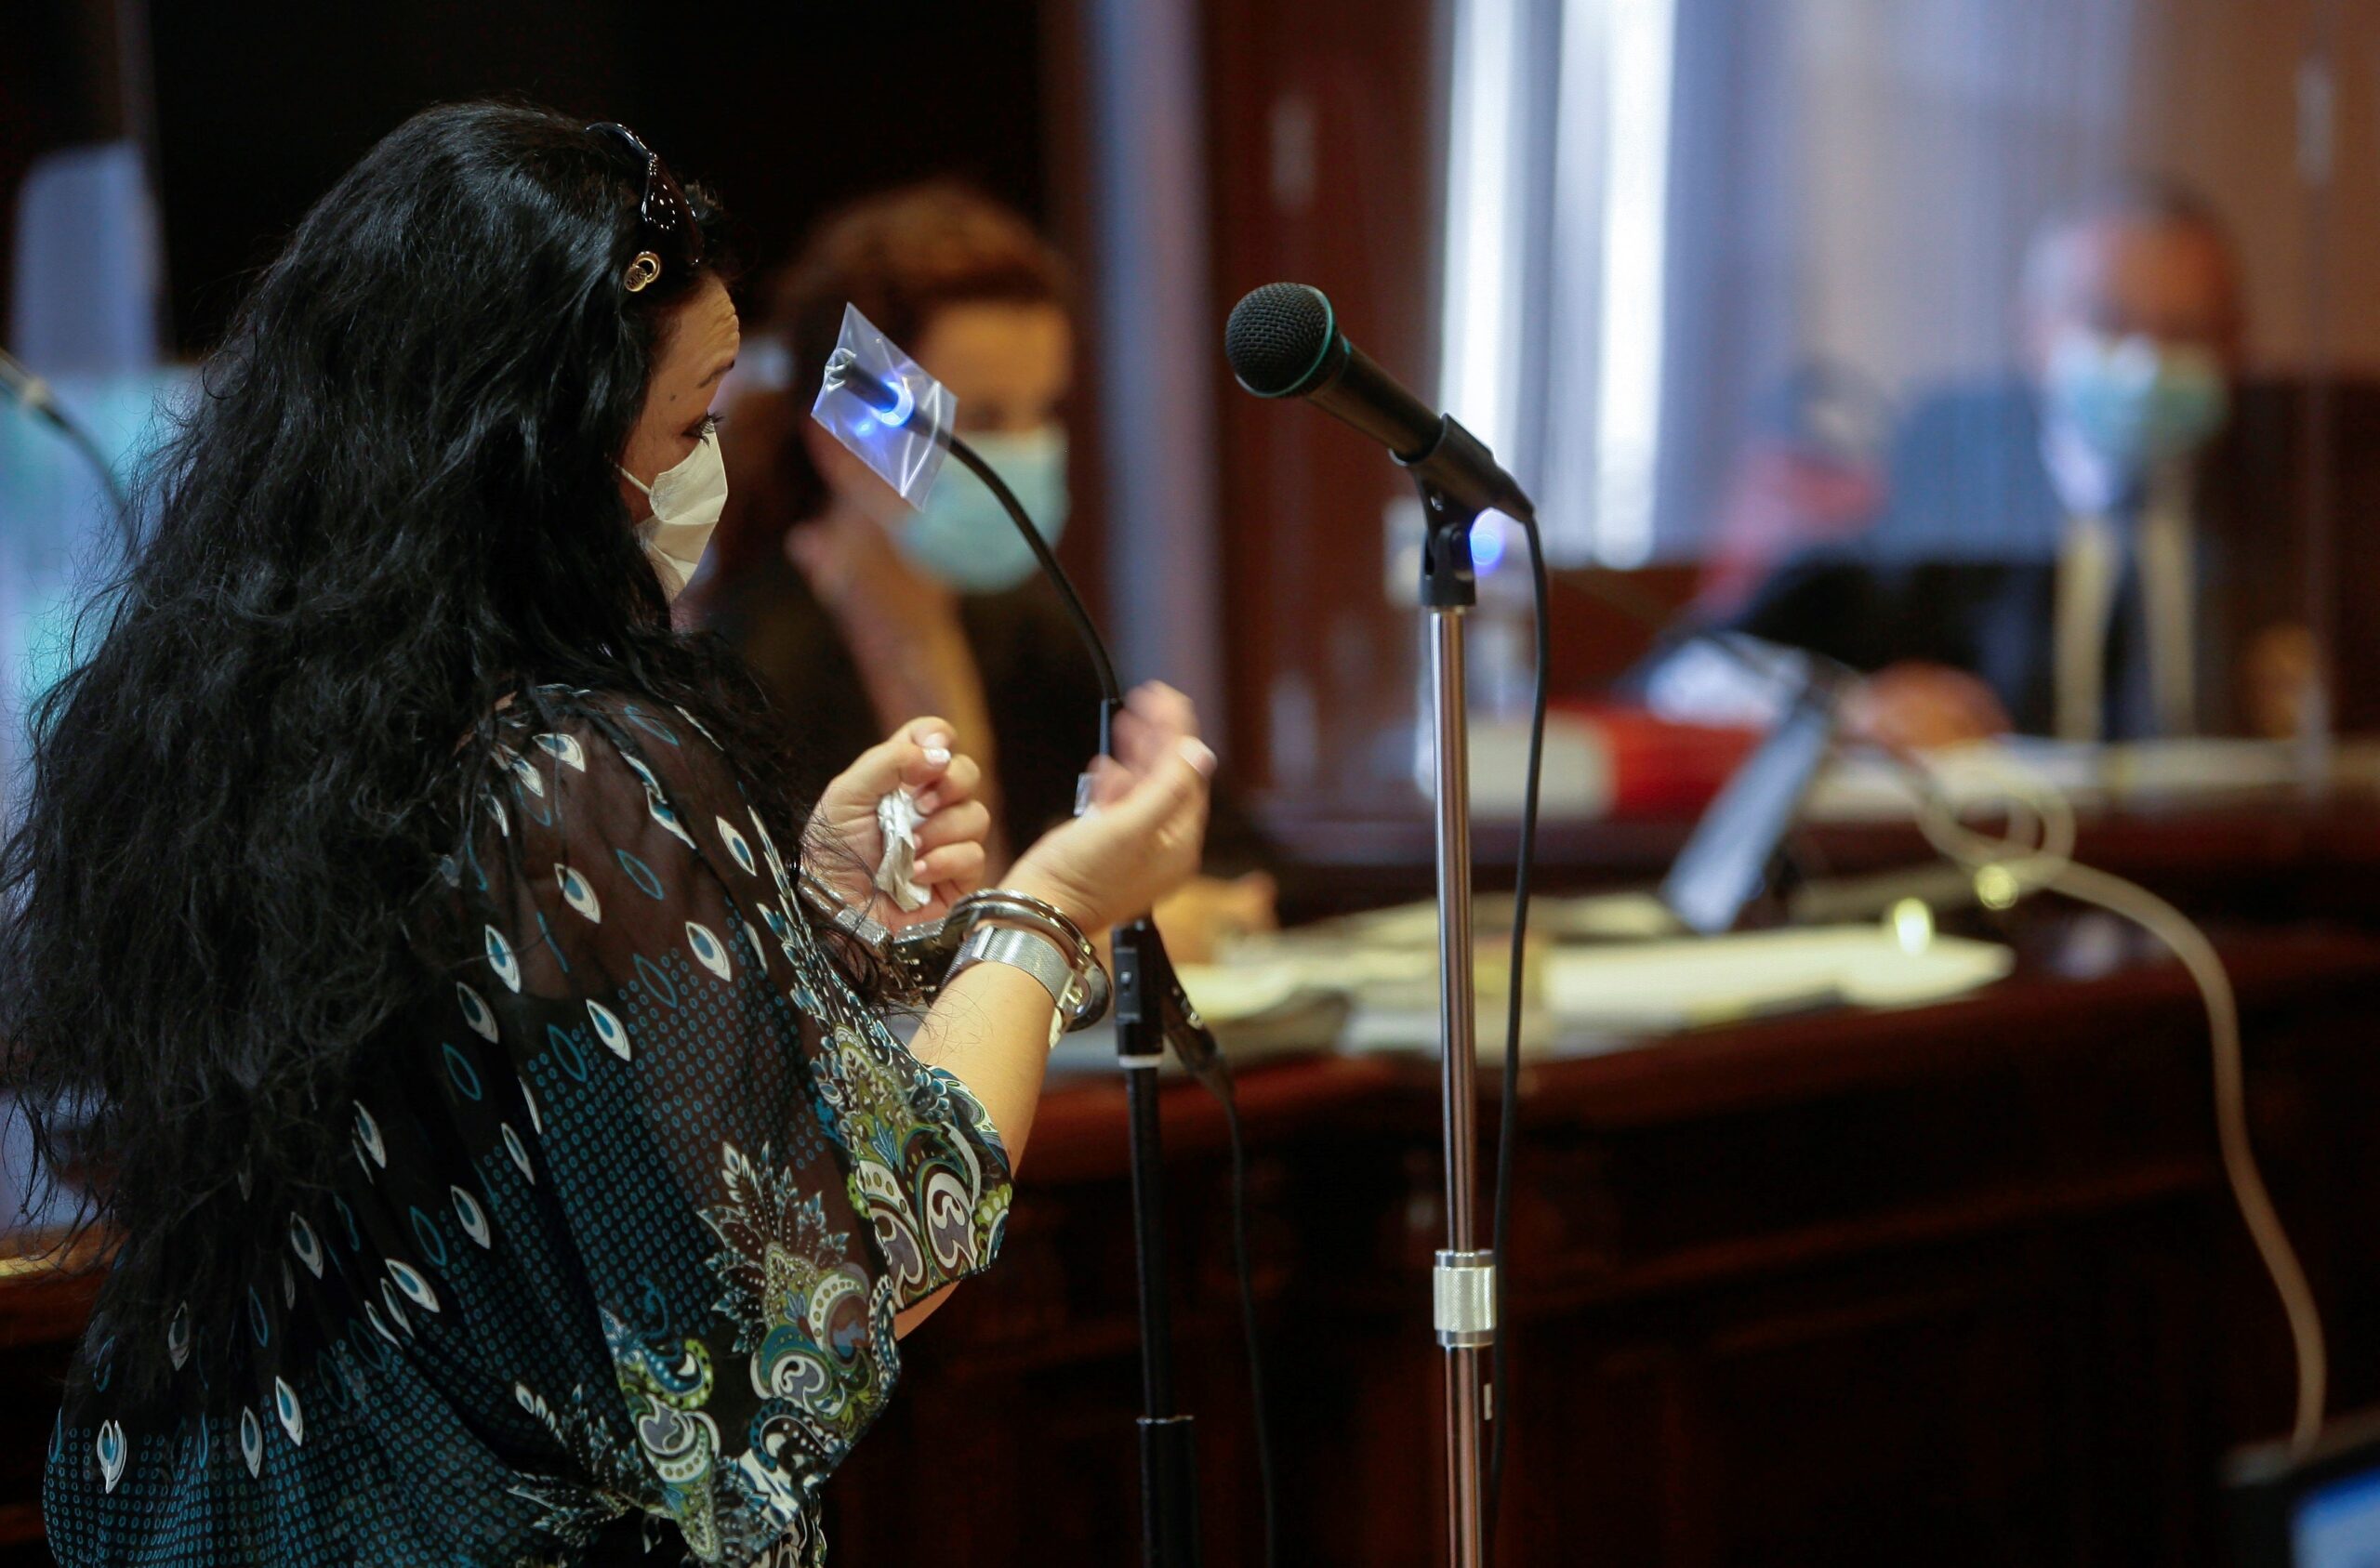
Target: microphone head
(1278, 337)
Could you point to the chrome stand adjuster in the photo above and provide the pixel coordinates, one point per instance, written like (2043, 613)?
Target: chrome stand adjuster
(1463, 1295)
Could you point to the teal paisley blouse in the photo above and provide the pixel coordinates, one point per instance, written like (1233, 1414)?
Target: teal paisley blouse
(634, 1197)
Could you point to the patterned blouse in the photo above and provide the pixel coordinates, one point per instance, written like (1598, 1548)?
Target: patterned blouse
(634, 1199)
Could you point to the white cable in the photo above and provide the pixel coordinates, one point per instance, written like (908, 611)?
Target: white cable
(2048, 863)
(2189, 944)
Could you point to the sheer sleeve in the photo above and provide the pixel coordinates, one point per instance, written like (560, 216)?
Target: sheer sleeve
(754, 1175)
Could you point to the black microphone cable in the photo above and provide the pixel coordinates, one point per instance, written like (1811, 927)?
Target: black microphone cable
(1500, 1363)
(34, 396)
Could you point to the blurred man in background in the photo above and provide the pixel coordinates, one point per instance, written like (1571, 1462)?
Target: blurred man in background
(2050, 556)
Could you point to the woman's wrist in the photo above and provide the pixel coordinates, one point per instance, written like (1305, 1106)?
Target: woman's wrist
(1032, 953)
(1023, 878)
(1012, 925)
(820, 857)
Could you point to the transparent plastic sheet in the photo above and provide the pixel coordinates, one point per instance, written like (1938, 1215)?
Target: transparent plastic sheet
(890, 414)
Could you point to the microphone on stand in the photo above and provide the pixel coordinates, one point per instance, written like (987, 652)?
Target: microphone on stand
(1283, 341)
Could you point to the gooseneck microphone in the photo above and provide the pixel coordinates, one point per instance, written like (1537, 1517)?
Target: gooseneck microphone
(34, 396)
(1283, 341)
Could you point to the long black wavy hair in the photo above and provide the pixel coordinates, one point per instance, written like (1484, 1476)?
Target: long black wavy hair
(391, 507)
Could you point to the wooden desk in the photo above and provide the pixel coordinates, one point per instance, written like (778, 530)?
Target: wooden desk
(42, 1312)
(1953, 1285)
(2267, 859)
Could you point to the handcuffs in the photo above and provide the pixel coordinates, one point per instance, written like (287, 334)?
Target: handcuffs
(922, 958)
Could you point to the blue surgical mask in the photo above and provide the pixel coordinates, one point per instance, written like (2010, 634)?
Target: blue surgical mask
(963, 535)
(2133, 403)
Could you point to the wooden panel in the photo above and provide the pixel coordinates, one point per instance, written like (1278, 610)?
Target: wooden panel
(44, 1302)
(2287, 858)
(1959, 1286)
(1322, 156)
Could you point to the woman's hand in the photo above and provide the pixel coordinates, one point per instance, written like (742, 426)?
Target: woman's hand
(1915, 707)
(845, 845)
(1149, 818)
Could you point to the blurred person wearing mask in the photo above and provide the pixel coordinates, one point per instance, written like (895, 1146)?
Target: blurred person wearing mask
(850, 604)
(2046, 558)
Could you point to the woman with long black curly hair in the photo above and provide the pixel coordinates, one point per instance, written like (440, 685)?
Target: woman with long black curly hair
(504, 1163)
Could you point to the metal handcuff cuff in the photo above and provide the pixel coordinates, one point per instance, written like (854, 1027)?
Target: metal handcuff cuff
(923, 958)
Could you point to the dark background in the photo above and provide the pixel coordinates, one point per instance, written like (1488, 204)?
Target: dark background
(785, 111)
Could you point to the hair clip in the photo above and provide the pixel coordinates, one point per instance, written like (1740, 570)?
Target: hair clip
(643, 271)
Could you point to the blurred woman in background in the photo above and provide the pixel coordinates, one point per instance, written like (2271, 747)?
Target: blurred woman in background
(853, 606)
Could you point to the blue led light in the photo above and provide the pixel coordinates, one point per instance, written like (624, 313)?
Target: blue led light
(884, 410)
(1486, 544)
(905, 403)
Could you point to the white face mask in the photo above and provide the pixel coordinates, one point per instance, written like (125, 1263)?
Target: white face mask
(687, 500)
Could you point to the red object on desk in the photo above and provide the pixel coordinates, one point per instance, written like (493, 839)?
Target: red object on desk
(1660, 771)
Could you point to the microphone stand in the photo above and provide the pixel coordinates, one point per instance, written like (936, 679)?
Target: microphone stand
(1272, 329)
(1168, 1439)
(1463, 1282)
